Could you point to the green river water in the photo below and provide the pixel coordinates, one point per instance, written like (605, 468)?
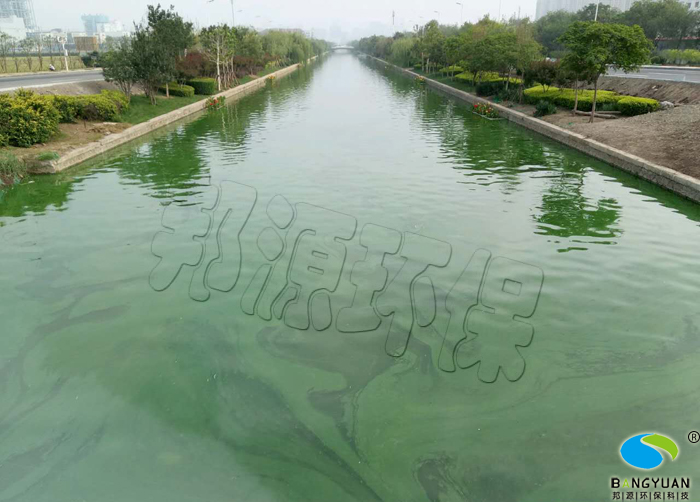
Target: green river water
(344, 287)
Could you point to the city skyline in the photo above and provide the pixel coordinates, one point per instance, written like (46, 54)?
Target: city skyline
(335, 20)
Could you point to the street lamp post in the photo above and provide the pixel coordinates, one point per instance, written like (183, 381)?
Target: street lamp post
(461, 13)
(597, 6)
(436, 12)
(65, 52)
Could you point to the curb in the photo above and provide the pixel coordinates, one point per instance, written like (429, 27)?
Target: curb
(86, 152)
(665, 177)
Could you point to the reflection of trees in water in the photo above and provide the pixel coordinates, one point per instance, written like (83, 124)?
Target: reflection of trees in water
(567, 213)
(35, 197)
(176, 165)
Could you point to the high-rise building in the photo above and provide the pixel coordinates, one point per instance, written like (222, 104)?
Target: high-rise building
(14, 27)
(91, 22)
(19, 8)
(544, 7)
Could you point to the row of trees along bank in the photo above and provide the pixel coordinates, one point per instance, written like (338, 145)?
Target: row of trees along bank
(504, 57)
(166, 50)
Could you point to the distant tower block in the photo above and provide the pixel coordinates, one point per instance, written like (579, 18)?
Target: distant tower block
(20, 8)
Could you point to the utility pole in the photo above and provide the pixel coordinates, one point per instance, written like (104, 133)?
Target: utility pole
(597, 6)
(461, 13)
(233, 14)
(393, 18)
(500, 2)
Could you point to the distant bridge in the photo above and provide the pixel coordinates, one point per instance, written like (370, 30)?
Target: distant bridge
(340, 47)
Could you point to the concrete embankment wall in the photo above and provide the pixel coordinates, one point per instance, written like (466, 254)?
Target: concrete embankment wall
(110, 142)
(676, 182)
(684, 93)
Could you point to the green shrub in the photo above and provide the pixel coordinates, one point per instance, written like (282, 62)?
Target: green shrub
(637, 106)
(682, 57)
(103, 107)
(118, 98)
(449, 70)
(97, 107)
(26, 118)
(11, 169)
(566, 98)
(204, 86)
(176, 89)
(544, 108)
(67, 106)
(490, 87)
(4, 140)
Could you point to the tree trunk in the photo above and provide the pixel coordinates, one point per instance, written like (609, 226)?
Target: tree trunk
(218, 66)
(595, 97)
(576, 97)
(167, 90)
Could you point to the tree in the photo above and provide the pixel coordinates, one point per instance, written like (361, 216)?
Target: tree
(543, 72)
(606, 13)
(526, 51)
(149, 61)
(6, 42)
(663, 19)
(118, 66)
(173, 35)
(402, 51)
(15, 46)
(453, 52)
(217, 45)
(433, 41)
(49, 43)
(550, 28)
(39, 45)
(249, 46)
(677, 21)
(598, 46)
(27, 46)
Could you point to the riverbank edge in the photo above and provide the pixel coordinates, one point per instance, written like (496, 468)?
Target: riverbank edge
(681, 184)
(91, 150)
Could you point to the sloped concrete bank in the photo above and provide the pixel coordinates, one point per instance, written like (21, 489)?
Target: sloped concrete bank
(110, 142)
(681, 184)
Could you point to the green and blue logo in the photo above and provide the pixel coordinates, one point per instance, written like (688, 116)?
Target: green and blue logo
(642, 451)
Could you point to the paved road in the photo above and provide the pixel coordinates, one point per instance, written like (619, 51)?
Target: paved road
(659, 73)
(46, 79)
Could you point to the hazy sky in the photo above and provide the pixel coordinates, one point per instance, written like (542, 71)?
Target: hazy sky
(326, 17)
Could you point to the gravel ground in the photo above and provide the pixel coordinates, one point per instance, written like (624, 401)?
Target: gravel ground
(669, 138)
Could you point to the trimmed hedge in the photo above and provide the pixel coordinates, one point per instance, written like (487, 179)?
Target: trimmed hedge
(566, 99)
(175, 89)
(451, 69)
(204, 86)
(27, 119)
(637, 106)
